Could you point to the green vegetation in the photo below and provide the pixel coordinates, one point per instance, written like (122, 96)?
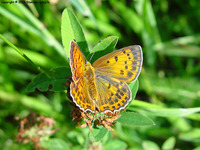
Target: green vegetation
(34, 47)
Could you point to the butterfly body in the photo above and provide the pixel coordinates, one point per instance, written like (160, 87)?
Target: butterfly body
(89, 76)
(102, 86)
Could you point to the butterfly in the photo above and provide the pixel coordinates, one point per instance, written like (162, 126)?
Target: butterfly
(102, 86)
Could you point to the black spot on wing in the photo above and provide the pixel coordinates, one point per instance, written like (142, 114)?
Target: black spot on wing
(118, 96)
(116, 58)
(106, 107)
(122, 72)
(109, 86)
(123, 89)
(88, 106)
(126, 98)
(121, 93)
(79, 57)
(133, 68)
(115, 99)
(105, 102)
(111, 102)
(130, 74)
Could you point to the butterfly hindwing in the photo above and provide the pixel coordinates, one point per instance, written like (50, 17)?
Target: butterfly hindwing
(124, 64)
(77, 61)
(79, 93)
(113, 95)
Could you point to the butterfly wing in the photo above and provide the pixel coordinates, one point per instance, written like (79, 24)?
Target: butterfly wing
(77, 61)
(78, 88)
(124, 64)
(79, 93)
(113, 95)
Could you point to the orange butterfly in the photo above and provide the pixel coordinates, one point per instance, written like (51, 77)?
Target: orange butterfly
(102, 86)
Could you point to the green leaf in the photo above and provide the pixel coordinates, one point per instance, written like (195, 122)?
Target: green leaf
(107, 137)
(173, 112)
(132, 119)
(149, 145)
(54, 83)
(150, 33)
(145, 104)
(197, 148)
(169, 143)
(150, 23)
(71, 29)
(179, 50)
(192, 134)
(55, 144)
(157, 110)
(116, 145)
(104, 47)
(98, 133)
(107, 44)
(83, 8)
(134, 87)
(180, 47)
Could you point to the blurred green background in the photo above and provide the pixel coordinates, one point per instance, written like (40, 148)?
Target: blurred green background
(169, 34)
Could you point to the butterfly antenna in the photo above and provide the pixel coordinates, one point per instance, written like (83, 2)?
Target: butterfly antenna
(75, 41)
(95, 50)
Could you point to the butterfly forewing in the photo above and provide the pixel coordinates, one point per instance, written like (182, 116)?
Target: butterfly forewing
(77, 61)
(124, 64)
(113, 95)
